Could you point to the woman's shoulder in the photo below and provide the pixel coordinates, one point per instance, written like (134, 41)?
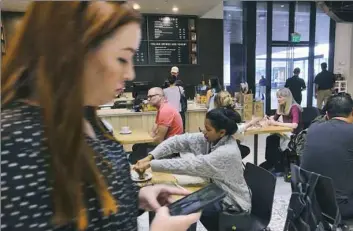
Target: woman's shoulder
(229, 146)
(296, 108)
(19, 118)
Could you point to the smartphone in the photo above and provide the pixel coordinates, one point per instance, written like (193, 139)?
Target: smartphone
(197, 200)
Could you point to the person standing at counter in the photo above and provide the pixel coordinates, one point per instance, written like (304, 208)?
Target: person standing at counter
(174, 72)
(173, 95)
(59, 169)
(168, 121)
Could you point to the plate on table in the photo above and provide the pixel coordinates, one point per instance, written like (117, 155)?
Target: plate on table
(135, 176)
(125, 132)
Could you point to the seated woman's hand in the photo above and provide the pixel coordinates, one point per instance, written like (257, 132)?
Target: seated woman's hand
(272, 122)
(142, 166)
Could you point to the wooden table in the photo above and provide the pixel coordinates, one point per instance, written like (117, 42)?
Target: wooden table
(168, 178)
(264, 130)
(136, 137)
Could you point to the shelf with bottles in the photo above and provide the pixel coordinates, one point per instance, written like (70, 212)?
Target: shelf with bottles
(341, 86)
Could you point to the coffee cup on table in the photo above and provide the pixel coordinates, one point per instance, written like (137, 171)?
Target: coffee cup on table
(125, 129)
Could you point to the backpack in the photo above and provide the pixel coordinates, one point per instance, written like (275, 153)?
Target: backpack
(297, 142)
(304, 210)
(183, 102)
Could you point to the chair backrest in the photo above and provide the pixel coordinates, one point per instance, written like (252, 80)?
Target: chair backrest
(326, 197)
(262, 185)
(313, 201)
(308, 115)
(139, 151)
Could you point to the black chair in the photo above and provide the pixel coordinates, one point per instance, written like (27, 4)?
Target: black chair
(308, 115)
(326, 197)
(262, 185)
(139, 151)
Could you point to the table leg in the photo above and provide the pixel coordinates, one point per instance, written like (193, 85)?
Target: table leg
(256, 140)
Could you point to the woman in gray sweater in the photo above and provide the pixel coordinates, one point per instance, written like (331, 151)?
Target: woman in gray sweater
(217, 158)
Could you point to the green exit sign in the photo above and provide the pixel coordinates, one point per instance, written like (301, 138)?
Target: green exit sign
(295, 37)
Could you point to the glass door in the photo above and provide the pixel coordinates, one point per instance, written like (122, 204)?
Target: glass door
(284, 60)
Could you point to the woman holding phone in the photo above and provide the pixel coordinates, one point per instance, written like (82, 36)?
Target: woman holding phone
(59, 168)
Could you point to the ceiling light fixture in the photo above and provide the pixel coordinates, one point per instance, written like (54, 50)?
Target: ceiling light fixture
(282, 5)
(136, 6)
(175, 9)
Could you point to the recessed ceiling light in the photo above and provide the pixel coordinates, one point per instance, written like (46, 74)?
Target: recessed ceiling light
(175, 9)
(136, 6)
(282, 5)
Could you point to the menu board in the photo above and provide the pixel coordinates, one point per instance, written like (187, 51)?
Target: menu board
(167, 40)
(141, 56)
(168, 52)
(168, 28)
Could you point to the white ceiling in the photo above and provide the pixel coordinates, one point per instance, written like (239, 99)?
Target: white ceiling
(186, 7)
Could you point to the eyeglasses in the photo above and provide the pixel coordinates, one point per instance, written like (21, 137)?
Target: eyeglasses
(151, 96)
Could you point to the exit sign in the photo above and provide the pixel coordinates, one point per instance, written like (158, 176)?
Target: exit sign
(295, 37)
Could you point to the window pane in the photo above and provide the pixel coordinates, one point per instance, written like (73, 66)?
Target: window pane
(302, 20)
(280, 22)
(261, 40)
(280, 71)
(322, 33)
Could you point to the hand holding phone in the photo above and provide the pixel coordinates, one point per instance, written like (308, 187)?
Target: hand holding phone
(197, 200)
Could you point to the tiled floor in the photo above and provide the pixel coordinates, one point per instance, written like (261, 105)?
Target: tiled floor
(282, 194)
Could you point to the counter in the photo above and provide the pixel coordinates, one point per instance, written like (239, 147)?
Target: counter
(118, 118)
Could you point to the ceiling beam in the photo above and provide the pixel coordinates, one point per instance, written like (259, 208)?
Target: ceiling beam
(322, 5)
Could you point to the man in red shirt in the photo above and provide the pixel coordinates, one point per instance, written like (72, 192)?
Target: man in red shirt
(168, 120)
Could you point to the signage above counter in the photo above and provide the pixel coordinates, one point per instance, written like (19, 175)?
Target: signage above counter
(168, 40)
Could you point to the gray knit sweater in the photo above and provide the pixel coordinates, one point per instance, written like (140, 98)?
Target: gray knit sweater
(222, 163)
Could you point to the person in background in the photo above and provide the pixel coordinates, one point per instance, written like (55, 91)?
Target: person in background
(216, 157)
(224, 100)
(173, 94)
(59, 168)
(296, 85)
(215, 87)
(175, 72)
(324, 83)
(168, 121)
(328, 150)
(262, 87)
(288, 114)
